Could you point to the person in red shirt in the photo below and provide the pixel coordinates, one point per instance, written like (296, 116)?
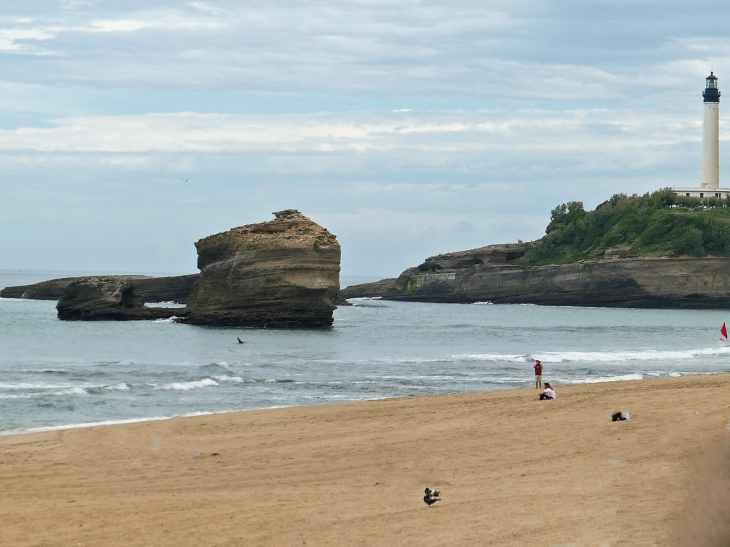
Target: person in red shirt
(538, 374)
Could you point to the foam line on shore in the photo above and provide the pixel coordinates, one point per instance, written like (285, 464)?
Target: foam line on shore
(22, 431)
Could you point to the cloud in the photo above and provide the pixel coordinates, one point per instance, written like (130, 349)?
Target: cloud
(501, 53)
(408, 127)
(21, 33)
(443, 133)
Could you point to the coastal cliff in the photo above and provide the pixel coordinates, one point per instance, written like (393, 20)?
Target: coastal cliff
(491, 274)
(659, 250)
(281, 273)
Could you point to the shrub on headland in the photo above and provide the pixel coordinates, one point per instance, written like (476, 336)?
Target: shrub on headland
(658, 224)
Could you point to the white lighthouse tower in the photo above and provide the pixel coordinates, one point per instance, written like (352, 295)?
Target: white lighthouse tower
(710, 181)
(711, 135)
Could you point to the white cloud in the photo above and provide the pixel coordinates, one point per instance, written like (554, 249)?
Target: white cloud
(409, 127)
(20, 33)
(440, 139)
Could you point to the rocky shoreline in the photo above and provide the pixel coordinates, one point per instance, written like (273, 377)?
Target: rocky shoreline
(492, 274)
(174, 289)
(285, 273)
(108, 298)
(281, 273)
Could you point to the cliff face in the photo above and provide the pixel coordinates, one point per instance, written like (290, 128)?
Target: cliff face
(152, 289)
(489, 274)
(166, 289)
(48, 290)
(281, 273)
(107, 298)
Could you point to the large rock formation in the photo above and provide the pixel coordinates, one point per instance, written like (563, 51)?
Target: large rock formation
(107, 298)
(282, 273)
(48, 290)
(152, 289)
(491, 274)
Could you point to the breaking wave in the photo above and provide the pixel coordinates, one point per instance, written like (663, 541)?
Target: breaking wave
(187, 386)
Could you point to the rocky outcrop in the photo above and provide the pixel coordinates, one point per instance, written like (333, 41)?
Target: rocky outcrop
(107, 298)
(152, 289)
(282, 273)
(166, 289)
(376, 289)
(48, 290)
(491, 274)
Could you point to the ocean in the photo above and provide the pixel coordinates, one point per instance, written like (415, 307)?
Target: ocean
(56, 374)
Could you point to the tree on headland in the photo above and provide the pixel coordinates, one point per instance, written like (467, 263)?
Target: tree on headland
(661, 223)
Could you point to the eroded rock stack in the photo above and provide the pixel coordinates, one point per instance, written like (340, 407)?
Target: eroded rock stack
(282, 273)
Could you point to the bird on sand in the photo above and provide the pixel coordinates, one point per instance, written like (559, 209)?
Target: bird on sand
(428, 500)
(432, 493)
(239, 340)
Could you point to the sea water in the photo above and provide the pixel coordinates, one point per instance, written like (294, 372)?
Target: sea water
(58, 374)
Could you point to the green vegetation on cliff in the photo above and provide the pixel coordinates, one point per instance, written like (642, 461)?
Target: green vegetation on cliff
(657, 224)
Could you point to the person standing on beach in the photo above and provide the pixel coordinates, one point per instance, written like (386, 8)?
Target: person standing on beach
(538, 374)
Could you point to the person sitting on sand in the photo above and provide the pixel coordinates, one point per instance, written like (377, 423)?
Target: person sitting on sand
(548, 393)
(620, 417)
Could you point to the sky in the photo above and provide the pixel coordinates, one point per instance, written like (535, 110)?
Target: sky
(130, 129)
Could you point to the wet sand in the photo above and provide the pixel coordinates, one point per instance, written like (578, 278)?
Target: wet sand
(513, 471)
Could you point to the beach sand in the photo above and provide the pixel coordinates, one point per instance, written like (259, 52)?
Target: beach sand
(512, 471)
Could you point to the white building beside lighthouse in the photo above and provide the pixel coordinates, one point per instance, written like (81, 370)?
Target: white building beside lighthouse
(710, 180)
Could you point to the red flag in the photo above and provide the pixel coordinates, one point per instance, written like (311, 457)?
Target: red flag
(723, 331)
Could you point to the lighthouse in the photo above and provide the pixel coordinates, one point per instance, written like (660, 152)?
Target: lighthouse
(710, 179)
(711, 135)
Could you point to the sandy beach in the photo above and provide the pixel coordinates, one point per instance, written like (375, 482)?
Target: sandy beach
(512, 471)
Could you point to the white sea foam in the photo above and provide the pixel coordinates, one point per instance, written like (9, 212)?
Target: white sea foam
(489, 357)
(78, 426)
(620, 356)
(61, 393)
(597, 356)
(118, 387)
(226, 378)
(168, 320)
(27, 386)
(604, 379)
(71, 391)
(186, 386)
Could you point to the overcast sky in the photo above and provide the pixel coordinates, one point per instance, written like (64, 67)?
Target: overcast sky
(130, 129)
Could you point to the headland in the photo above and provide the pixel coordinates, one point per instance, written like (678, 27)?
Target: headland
(659, 250)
